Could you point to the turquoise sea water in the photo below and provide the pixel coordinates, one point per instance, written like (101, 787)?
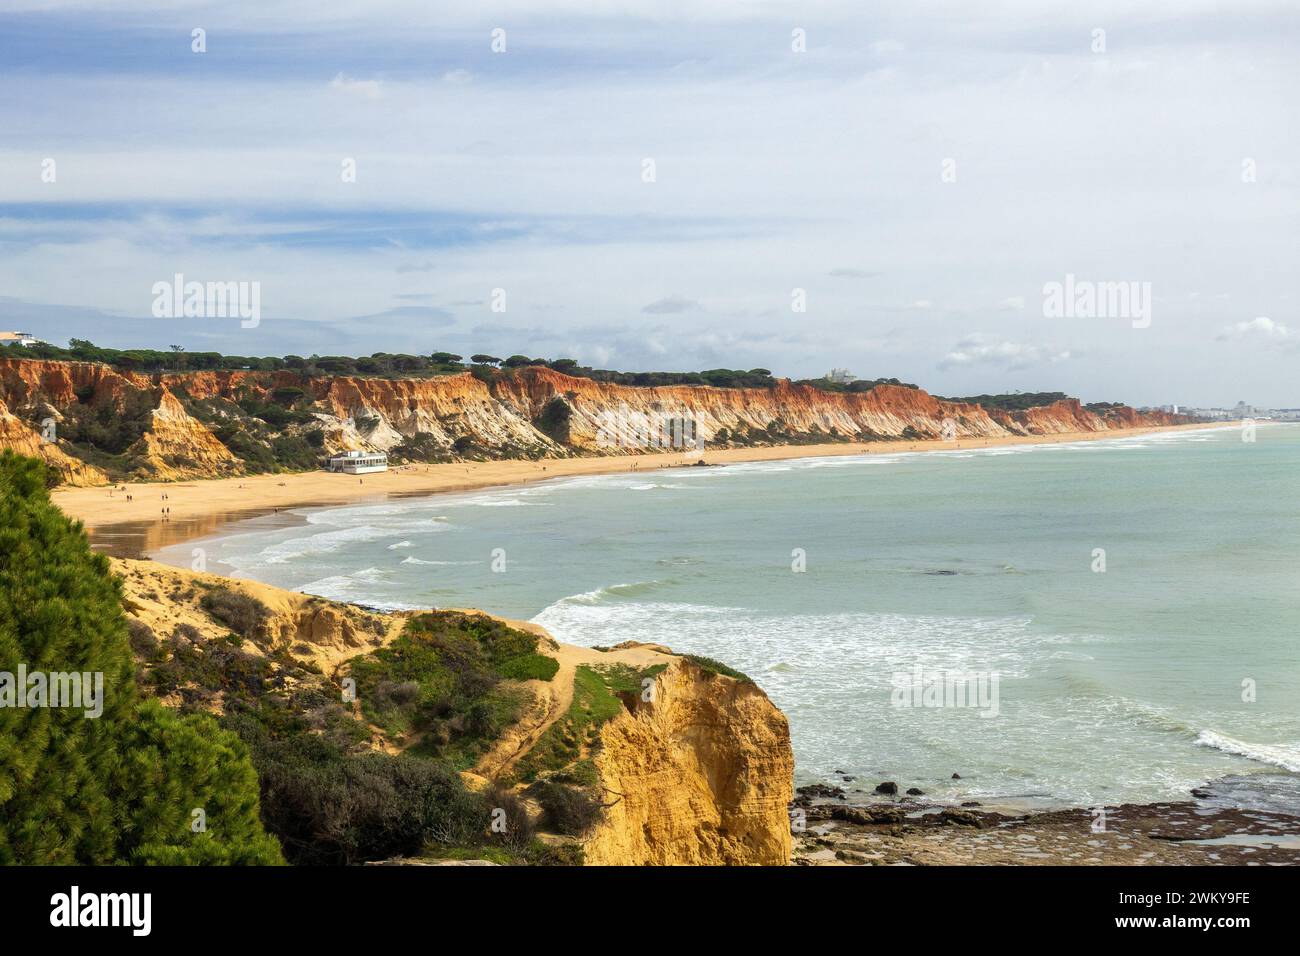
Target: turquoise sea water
(1121, 685)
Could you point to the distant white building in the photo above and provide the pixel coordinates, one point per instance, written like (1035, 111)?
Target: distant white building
(841, 376)
(359, 462)
(18, 338)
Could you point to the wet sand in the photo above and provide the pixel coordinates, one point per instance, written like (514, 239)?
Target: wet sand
(200, 508)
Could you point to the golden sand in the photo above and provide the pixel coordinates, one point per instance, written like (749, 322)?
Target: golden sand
(200, 508)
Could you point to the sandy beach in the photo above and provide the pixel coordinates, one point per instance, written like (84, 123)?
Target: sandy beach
(136, 527)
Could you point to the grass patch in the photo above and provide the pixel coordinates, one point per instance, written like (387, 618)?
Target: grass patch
(529, 667)
(717, 667)
(624, 678)
(570, 737)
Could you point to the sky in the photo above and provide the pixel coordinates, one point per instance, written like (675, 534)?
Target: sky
(639, 185)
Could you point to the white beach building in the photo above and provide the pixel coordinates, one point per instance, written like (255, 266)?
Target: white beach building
(18, 338)
(359, 462)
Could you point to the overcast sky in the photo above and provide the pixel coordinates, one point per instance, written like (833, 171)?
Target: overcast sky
(921, 171)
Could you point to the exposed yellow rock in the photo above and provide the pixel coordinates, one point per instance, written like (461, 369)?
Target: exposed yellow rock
(324, 632)
(702, 775)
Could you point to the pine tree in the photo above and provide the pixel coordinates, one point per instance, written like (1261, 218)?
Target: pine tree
(120, 787)
(60, 610)
(194, 798)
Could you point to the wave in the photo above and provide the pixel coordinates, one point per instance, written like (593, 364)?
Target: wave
(1275, 755)
(415, 560)
(834, 645)
(400, 544)
(345, 587)
(632, 590)
(321, 543)
(504, 503)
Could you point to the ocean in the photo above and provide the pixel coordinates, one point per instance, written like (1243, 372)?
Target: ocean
(1074, 624)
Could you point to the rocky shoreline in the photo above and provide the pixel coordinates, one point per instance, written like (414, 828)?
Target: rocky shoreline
(889, 829)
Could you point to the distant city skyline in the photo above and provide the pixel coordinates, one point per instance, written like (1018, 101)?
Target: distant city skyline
(1020, 196)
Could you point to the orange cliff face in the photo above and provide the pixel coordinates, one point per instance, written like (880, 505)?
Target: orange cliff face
(529, 412)
(18, 436)
(611, 418)
(174, 444)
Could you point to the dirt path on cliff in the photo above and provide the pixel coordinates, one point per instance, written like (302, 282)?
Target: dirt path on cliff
(552, 699)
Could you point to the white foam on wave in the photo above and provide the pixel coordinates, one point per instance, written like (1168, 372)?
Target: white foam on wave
(320, 543)
(415, 560)
(346, 587)
(503, 503)
(334, 516)
(889, 642)
(326, 542)
(1275, 755)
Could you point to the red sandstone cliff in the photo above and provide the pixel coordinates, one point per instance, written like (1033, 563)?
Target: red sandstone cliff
(506, 417)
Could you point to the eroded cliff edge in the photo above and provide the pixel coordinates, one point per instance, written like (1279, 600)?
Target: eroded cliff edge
(702, 772)
(692, 766)
(113, 424)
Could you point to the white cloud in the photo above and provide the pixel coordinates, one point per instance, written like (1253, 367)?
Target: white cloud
(1261, 327)
(978, 350)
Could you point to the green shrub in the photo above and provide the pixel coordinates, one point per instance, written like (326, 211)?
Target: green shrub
(528, 667)
(328, 807)
(555, 419)
(440, 680)
(510, 825)
(567, 810)
(241, 613)
(144, 643)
